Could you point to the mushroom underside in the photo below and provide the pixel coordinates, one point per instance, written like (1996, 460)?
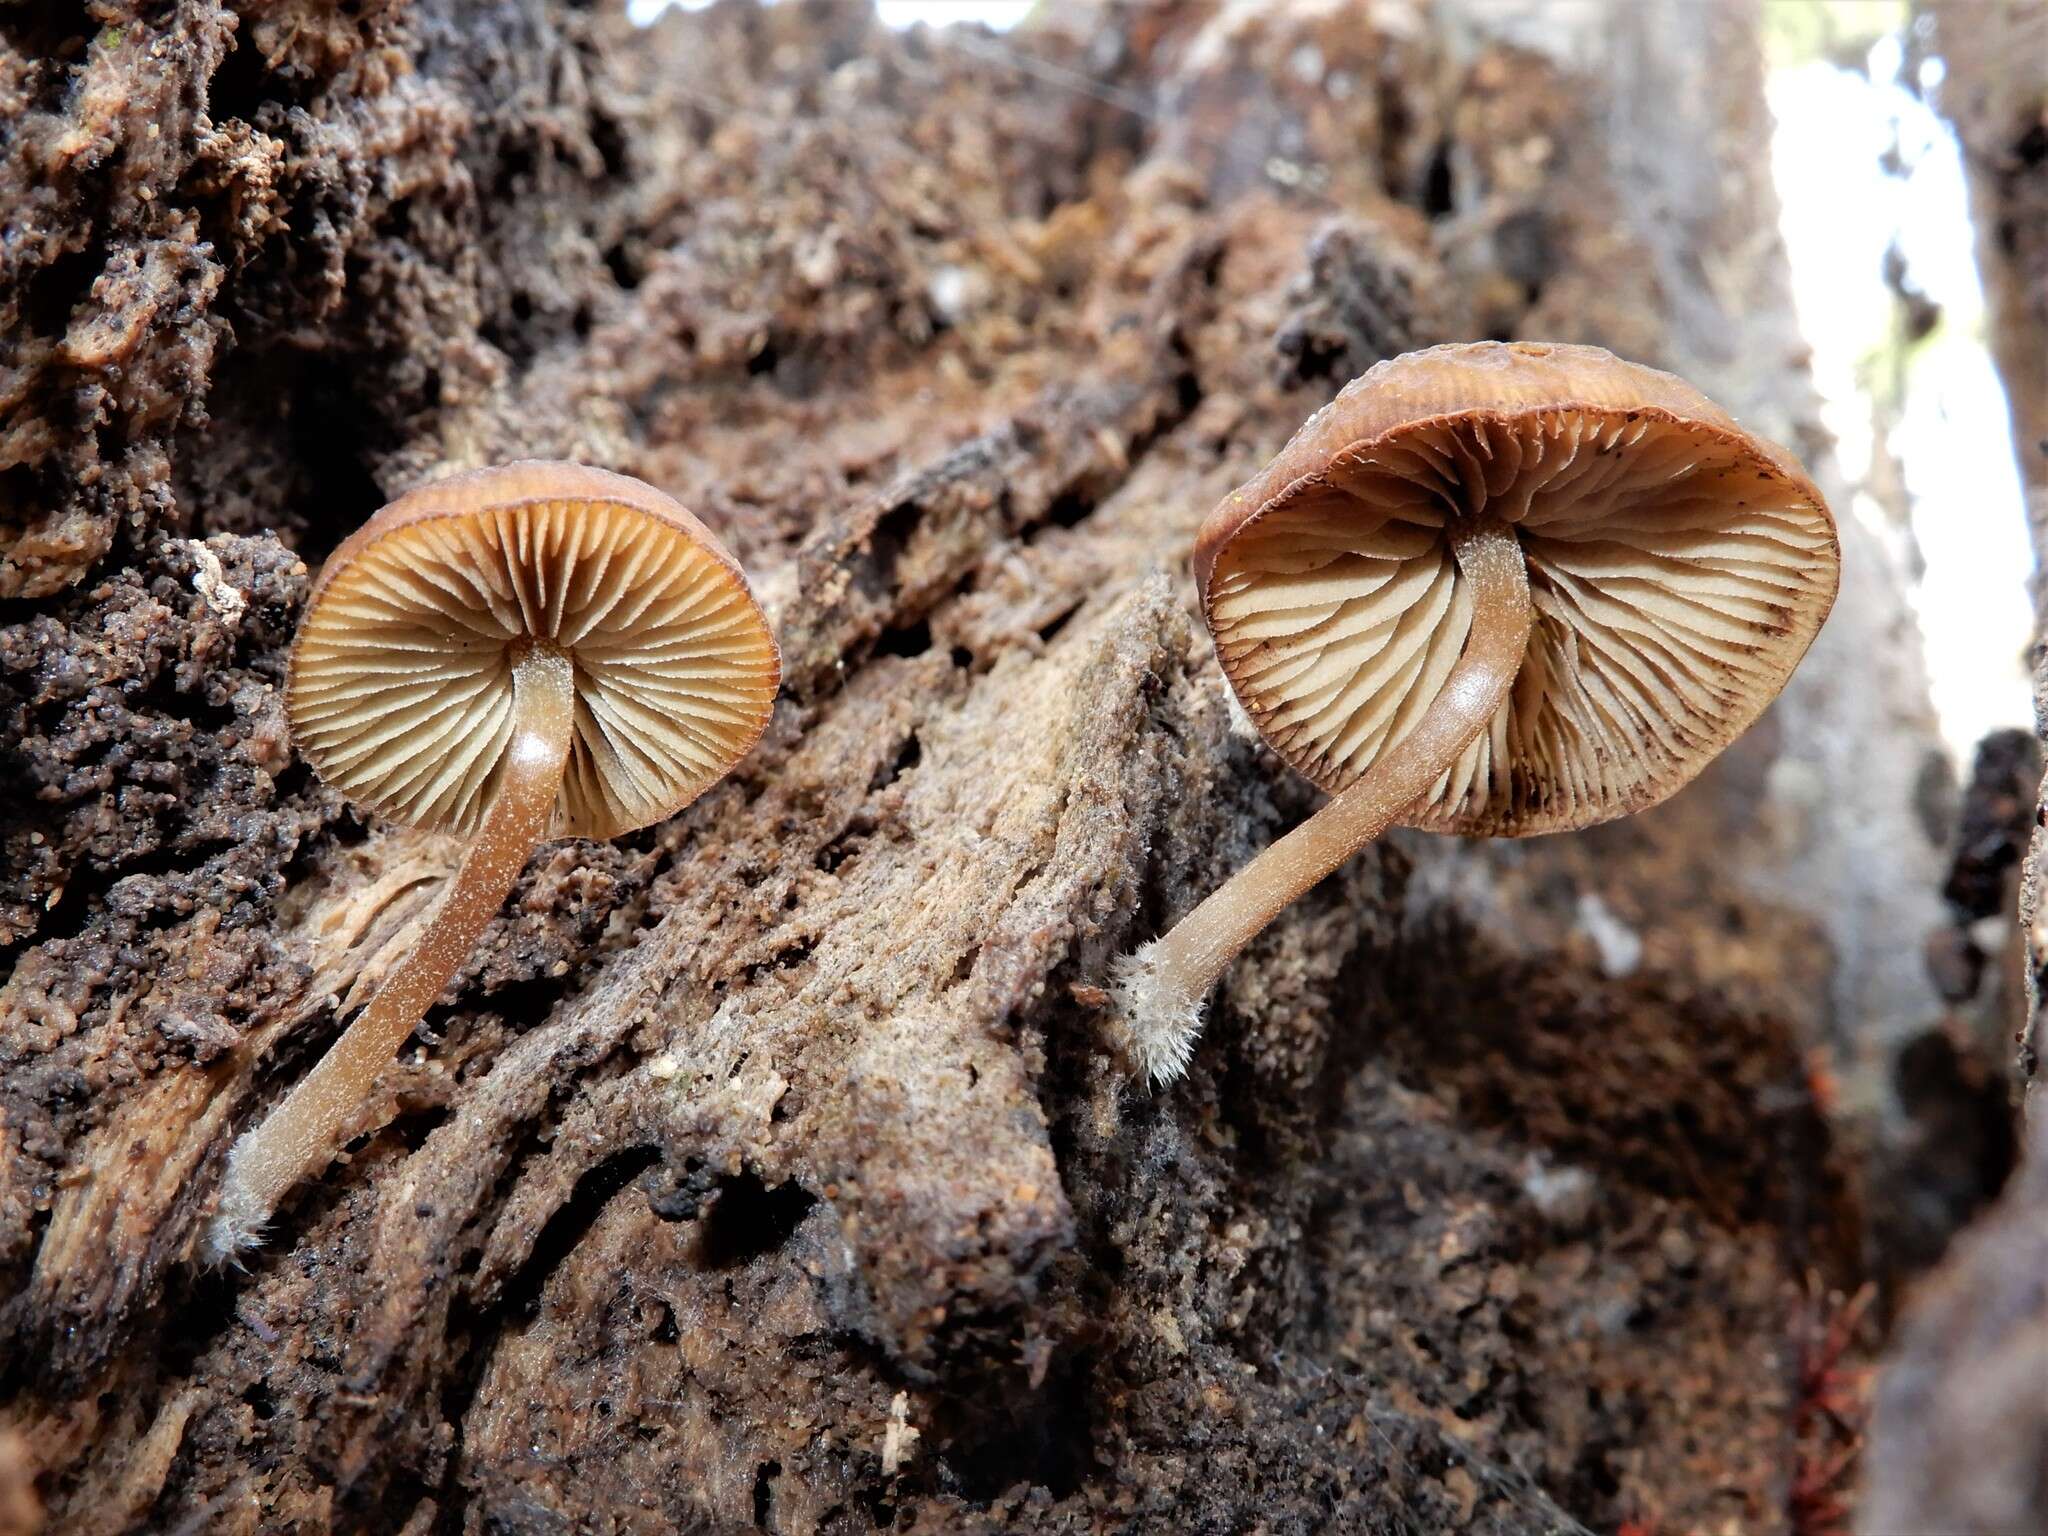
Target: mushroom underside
(1676, 576)
(401, 689)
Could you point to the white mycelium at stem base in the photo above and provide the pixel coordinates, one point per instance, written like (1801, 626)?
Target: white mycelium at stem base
(303, 1133)
(1159, 990)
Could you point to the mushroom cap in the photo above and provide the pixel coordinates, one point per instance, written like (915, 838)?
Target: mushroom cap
(400, 687)
(1678, 569)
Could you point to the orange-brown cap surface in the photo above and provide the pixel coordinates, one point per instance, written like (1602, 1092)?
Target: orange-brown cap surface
(1678, 567)
(400, 690)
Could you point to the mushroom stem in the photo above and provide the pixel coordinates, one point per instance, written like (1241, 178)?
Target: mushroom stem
(301, 1135)
(1159, 990)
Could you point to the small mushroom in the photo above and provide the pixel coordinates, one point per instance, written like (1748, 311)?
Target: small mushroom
(529, 651)
(1494, 589)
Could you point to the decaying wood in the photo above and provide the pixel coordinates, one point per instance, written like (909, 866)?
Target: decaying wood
(770, 1169)
(1960, 1436)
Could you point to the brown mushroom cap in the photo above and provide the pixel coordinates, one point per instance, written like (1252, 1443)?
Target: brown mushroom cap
(400, 691)
(1678, 566)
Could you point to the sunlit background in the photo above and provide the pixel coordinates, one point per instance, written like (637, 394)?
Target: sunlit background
(999, 15)
(1876, 225)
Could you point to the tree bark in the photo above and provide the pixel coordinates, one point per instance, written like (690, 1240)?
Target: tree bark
(1993, 93)
(772, 1168)
(1959, 1438)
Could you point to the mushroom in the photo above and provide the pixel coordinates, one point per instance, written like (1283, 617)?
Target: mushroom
(1493, 589)
(528, 651)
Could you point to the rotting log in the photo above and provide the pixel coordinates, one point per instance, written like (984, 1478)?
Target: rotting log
(769, 1169)
(1959, 1437)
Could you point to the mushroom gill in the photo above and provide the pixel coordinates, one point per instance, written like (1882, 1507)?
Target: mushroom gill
(1676, 577)
(421, 636)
